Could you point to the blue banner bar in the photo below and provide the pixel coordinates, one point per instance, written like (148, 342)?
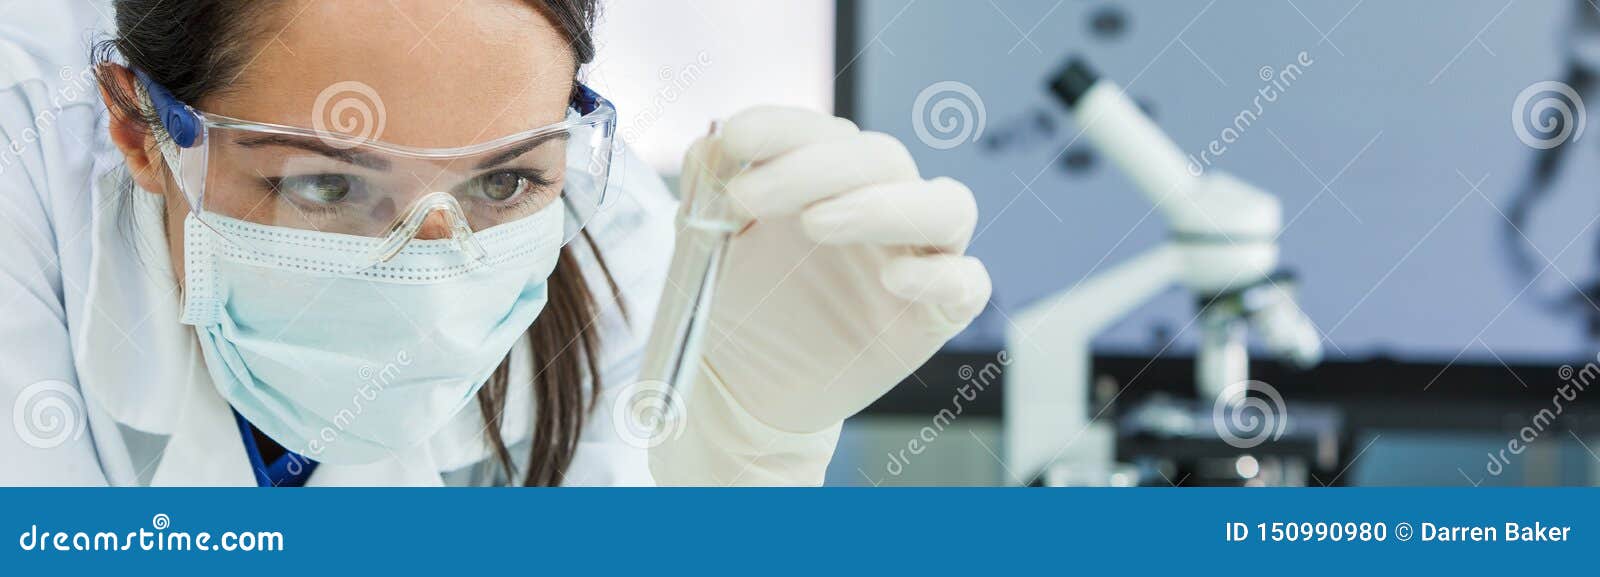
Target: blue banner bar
(758, 531)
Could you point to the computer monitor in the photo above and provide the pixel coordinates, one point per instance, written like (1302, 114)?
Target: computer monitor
(1408, 216)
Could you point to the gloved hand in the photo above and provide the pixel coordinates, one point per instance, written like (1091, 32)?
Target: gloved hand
(849, 276)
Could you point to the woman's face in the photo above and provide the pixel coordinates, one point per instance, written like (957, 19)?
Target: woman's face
(427, 73)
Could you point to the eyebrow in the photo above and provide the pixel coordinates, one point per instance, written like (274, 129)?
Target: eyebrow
(378, 163)
(512, 153)
(347, 156)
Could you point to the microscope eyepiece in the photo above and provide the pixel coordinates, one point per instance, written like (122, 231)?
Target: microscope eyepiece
(1073, 81)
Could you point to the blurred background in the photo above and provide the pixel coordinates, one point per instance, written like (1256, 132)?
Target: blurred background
(1437, 194)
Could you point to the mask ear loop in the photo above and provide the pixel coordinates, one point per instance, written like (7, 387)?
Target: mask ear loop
(405, 229)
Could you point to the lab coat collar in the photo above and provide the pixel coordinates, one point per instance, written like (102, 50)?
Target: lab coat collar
(205, 447)
(133, 358)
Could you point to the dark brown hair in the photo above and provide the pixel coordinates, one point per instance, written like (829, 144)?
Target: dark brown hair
(195, 48)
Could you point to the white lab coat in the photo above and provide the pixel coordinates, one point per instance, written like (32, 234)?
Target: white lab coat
(89, 329)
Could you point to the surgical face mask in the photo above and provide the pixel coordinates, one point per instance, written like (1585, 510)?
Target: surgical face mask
(354, 364)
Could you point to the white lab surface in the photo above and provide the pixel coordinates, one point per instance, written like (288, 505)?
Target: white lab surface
(89, 309)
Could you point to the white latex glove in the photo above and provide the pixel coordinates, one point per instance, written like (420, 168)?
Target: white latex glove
(849, 277)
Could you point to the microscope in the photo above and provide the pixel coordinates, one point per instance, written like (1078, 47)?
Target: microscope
(1222, 248)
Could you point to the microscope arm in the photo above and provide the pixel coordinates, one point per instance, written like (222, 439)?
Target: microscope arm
(1047, 412)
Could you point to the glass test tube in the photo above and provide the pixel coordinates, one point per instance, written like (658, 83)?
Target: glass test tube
(706, 223)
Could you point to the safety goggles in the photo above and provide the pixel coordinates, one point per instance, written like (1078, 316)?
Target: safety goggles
(381, 195)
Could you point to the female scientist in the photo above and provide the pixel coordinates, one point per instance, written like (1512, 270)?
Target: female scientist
(208, 276)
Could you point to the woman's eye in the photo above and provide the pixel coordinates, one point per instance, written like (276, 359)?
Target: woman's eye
(318, 188)
(503, 186)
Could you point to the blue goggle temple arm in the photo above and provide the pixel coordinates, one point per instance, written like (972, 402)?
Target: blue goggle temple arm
(586, 100)
(181, 122)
